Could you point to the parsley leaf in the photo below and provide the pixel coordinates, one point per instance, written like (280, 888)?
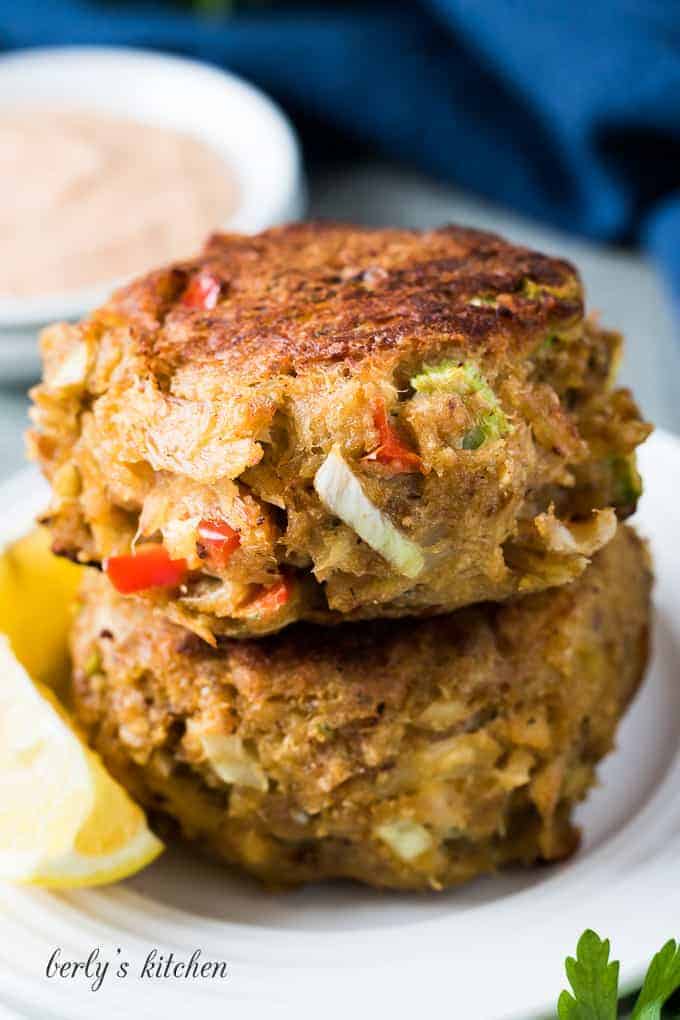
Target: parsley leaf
(594, 980)
(663, 978)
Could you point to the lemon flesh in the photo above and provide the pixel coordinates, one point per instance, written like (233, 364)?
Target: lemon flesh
(64, 821)
(37, 592)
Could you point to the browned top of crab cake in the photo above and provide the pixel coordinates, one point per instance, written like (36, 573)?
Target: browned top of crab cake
(314, 293)
(325, 422)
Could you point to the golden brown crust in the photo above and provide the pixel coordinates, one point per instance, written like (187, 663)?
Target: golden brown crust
(296, 756)
(154, 415)
(309, 294)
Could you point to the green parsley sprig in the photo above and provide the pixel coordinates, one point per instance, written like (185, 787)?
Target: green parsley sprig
(594, 980)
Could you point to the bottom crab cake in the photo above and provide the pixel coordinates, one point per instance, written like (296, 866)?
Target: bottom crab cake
(407, 755)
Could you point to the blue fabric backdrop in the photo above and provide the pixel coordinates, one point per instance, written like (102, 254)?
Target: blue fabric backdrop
(567, 111)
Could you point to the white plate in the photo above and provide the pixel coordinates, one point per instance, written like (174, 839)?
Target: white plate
(492, 950)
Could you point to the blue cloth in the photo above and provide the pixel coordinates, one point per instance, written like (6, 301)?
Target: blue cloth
(567, 111)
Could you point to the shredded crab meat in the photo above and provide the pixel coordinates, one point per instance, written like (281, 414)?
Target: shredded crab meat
(231, 761)
(577, 538)
(406, 839)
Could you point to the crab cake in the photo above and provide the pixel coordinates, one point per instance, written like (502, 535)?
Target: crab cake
(328, 422)
(405, 756)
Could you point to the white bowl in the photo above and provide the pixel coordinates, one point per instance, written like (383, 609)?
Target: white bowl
(237, 120)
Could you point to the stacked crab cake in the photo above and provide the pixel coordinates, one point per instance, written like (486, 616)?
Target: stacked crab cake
(339, 428)
(408, 755)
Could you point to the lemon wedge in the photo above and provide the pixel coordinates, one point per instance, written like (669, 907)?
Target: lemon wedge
(37, 592)
(64, 821)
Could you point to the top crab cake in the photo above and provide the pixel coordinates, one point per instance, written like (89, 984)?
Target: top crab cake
(325, 422)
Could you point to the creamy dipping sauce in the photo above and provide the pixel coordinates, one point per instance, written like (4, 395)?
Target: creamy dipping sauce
(88, 198)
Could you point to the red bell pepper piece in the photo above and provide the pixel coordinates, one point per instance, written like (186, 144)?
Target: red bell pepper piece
(391, 452)
(203, 291)
(218, 539)
(272, 598)
(149, 567)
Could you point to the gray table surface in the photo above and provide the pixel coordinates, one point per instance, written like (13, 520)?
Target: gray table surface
(620, 284)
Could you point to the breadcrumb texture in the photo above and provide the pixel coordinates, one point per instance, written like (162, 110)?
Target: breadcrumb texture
(468, 354)
(409, 756)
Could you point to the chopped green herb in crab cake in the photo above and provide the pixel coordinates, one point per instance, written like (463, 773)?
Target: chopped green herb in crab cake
(467, 381)
(359, 423)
